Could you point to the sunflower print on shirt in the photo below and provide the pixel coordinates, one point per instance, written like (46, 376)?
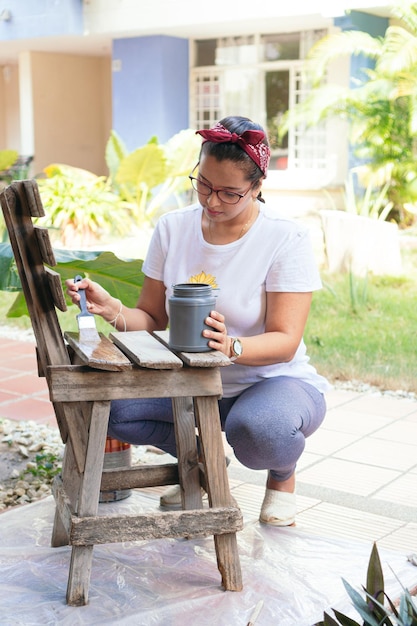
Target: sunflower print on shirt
(202, 277)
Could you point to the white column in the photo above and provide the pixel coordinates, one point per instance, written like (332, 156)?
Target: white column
(27, 131)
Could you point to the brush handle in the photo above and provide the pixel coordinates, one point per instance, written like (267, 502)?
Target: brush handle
(83, 299)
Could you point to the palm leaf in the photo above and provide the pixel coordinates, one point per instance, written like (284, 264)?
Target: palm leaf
(340, 44)
(399, 51)
(406, 11)
(330, 100)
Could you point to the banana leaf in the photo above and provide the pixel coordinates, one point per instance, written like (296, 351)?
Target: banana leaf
(122, 278)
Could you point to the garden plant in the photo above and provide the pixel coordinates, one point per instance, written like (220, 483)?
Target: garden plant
(375, 607)
(380, 106)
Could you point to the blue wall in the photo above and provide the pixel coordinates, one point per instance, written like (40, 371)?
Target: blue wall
(40, 18)
(150, 88)
(376, 27)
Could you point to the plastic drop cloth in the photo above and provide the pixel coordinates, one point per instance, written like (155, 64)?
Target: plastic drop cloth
(170, 582)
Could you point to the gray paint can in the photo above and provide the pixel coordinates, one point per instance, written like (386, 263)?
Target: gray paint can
(189, 306)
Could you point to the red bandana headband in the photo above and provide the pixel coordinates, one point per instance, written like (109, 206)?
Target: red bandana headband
(250, 141)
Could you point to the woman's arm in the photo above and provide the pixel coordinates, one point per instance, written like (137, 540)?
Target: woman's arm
(286, 317)
(149, 314)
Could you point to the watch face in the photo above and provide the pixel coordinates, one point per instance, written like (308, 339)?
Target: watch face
(237, 347)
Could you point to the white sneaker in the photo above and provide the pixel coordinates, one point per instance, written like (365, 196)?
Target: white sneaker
(278, 508)
(171, 498)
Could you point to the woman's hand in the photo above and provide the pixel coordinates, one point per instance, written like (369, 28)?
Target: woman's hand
(218, 333)
(285, 320)
(99, 301)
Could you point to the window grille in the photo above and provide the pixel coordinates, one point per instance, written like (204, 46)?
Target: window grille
(306, 146)
(206, 93)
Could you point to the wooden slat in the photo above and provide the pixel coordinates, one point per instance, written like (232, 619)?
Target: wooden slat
(45, 246)
(193, 523)
(55, 285)
(214, 358)
(71, 478)
(65, 510)
(139, 477)
(33, 197)
(18, 202)
(116, 528)
(102, 355)
(68, 384)
(78, 416)
(205, 359)
(145, 350)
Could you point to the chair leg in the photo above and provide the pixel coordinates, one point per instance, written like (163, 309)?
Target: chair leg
(79, 575)
(72, 481)
(187, 454)
(78, 417)
(82, 556)
(208, 423)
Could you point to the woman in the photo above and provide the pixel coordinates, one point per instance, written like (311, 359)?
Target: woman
(264, 273)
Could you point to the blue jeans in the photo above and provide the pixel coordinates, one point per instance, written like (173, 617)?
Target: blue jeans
(266, 425)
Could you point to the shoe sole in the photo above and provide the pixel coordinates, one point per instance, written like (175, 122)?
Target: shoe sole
(282, 523)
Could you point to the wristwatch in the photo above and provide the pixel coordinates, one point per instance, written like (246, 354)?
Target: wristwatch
(236, 348)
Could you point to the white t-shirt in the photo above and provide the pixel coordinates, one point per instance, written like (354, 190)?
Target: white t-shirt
(274, 255)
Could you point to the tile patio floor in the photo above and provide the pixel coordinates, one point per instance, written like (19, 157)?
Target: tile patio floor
(357, 478)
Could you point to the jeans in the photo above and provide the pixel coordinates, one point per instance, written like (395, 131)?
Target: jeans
(266, 425)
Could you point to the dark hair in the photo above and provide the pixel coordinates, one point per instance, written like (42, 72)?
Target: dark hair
(232, 152)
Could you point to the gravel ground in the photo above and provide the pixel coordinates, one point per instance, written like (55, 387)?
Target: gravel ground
(30, 457)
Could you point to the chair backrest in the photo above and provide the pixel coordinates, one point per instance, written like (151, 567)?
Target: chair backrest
(41, 285)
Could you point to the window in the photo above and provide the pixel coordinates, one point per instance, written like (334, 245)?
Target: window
(235, 51)
(280, 47)
(277, 93)
(260, 77)
(205, 52)
(225, 51)
(307, 146)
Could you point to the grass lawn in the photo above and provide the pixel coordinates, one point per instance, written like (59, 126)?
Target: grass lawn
(362, 329)
(365, 329)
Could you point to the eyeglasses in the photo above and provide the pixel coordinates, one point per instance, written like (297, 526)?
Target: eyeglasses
(228, 197)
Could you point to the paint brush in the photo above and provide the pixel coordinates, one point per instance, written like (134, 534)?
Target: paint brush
(86, 322)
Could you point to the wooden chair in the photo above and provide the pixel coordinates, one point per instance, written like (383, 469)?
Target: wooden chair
(82, 383)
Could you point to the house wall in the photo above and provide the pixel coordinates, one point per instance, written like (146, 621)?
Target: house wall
(71, 110)
(68, 103)
(150, 88)
(40, 18)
